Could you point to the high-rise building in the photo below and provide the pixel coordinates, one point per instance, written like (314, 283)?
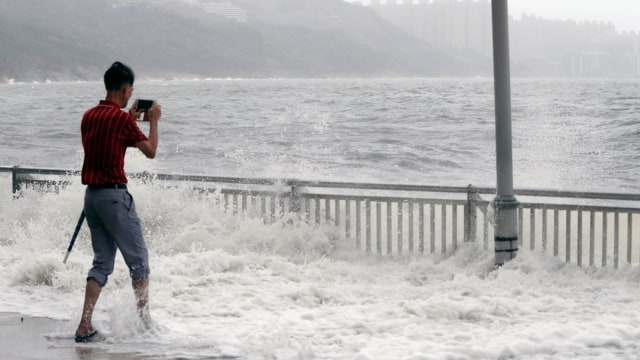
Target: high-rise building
(449, 24)
(537, 46)
(224, 8)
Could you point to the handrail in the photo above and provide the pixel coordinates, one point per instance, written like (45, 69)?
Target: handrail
(345, 185)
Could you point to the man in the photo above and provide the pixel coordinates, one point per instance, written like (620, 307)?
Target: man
(110, 211)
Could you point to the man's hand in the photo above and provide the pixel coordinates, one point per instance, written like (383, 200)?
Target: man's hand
(132, 111)
(154, 113)
(149, 147)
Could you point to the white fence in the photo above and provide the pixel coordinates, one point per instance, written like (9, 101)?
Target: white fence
(587, 229)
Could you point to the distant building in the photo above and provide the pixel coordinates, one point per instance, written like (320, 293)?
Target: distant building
(448, 24)
(538, 46)
(224, 8)
(214, 7)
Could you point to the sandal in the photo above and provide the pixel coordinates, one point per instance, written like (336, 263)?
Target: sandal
(87, 338)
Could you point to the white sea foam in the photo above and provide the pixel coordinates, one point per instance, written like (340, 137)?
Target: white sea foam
(235, 286)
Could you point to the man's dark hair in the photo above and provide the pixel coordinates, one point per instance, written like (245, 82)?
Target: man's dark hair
(117, 76)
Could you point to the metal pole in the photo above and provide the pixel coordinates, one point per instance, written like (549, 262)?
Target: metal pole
(505, 203)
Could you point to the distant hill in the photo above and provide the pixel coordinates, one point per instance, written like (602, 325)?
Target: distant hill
(77, 39)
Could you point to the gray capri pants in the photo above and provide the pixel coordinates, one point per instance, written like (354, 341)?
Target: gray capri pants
(114, 223)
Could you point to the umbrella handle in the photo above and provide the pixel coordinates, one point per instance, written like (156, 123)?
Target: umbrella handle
(75, 235)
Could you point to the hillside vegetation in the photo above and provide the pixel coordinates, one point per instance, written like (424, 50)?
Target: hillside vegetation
(78, 39)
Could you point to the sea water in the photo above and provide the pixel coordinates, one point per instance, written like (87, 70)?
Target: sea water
(233, 286)
(567, 134)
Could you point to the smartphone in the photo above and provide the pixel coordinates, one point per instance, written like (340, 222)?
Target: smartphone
(144, 105)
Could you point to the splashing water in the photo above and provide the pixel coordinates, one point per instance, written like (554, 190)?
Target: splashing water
(225, 285)
(235, 286)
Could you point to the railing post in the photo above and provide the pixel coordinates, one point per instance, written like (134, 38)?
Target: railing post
(471, 216)
(295, 204)
(15, 180)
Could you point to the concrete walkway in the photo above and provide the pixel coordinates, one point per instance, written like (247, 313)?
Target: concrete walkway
(35, 338)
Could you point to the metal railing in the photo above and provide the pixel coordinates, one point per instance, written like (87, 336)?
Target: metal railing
(587, 229)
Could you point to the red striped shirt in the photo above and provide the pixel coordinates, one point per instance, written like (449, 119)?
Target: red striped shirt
(107, 131)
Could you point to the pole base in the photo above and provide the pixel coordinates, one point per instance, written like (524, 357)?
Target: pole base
(506, 249)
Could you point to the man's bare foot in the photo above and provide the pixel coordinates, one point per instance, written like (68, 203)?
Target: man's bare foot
(84, 329)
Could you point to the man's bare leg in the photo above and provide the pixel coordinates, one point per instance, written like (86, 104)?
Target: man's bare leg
(141, 291)
(91, 295)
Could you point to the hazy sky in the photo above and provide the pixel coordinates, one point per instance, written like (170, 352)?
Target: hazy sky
(625, 14)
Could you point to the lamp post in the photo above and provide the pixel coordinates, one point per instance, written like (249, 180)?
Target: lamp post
(505, 203)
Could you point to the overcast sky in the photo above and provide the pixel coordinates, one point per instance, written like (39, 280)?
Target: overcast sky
(625, 14)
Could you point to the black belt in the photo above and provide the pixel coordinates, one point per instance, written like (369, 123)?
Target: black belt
(108, 186)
